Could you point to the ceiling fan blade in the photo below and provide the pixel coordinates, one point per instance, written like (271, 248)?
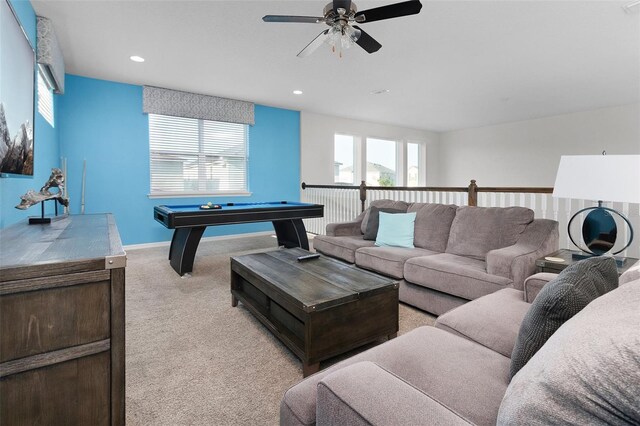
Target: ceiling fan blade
(396, 10)
(296, 19)
(315, 43)
(345, 4)
(367, 42)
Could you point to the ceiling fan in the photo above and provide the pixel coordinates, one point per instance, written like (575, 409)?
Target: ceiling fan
(340, 15)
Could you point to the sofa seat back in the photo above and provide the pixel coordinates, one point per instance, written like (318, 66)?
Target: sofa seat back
(475, 231)
(432, 225)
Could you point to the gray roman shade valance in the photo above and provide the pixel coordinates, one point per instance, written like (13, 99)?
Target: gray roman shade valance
(156, 100)
(49, 55)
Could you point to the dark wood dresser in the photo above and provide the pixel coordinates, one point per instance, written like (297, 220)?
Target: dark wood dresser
(62, 323)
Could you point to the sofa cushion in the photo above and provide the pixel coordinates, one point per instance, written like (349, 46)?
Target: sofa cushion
(433, 223)
(587, 372)
(457, 275)
(427, 299)
(396, 230)
(477, 230)
(340, 247)
(387, 260)
(573, 289)
(391, 204)
(374, 221)
(492, 320)
(631, 274)
(466, 377)
(341, 400)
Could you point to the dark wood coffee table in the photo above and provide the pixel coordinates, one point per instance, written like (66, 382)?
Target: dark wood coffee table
(319, 308)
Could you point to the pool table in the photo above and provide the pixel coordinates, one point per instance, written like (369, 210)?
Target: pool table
(190, 221)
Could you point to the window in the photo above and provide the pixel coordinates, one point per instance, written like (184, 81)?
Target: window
(343, 164)
(197, 157)
(45, 98)
(413, 164)
(389, 162)
(381, 162)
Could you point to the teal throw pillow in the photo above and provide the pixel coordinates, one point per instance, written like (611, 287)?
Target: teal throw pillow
(396, 229)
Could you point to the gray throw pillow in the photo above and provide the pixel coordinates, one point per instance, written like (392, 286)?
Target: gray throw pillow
(371, 233)
(558, 301)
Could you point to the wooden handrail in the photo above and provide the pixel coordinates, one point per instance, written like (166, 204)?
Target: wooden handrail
(472, 190)
(520, 189)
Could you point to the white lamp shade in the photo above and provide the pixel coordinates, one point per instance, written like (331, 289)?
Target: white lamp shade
(613, 178)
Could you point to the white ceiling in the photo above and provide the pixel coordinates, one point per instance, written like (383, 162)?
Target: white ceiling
(458, 64)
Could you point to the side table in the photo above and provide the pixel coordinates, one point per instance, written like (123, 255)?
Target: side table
(544, 264)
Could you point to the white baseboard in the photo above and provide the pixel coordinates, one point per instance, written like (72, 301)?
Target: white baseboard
(205, 239)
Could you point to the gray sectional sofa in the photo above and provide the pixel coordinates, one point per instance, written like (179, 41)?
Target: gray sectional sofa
(460, 254)
(458, 371)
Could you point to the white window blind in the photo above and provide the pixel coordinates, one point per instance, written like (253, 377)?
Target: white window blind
(45, 99)
(197, 157)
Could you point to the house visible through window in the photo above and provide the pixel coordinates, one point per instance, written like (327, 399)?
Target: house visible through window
(197, 157)
(381, 162)
(45, 99)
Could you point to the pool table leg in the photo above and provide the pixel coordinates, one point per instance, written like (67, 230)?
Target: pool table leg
(291, 233)
(183, 248)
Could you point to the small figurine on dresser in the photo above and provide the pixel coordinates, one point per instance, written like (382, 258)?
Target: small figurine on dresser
(56, 180)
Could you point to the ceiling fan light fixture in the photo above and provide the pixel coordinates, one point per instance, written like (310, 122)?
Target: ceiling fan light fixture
(340, 16)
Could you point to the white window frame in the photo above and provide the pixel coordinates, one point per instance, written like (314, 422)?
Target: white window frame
(355, 153)
(201, 172)
(399, 161)
(402, 164)
(422, 161)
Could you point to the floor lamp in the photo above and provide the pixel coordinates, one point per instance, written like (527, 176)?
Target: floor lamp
(614, 178)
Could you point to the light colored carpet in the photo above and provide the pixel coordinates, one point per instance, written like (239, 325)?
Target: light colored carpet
(192, 359)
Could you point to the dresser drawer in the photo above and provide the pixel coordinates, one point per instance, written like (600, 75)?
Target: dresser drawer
(34, 322)
(71, 393)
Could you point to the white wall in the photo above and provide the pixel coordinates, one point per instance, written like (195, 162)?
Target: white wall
(316, 139)
(527, 153)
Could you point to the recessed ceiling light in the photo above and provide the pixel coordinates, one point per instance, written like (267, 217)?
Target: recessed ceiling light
(136, 58)
(297, 92)
(380, 91)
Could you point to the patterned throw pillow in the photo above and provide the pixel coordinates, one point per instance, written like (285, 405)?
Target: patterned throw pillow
(558, 301)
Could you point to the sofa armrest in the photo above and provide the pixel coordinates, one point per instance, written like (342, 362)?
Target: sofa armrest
(517, 262)
(366, 394)
(342, 229)
(534, 284)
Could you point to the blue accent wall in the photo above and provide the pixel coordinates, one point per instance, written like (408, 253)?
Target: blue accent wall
(102, 122)
(46, 146)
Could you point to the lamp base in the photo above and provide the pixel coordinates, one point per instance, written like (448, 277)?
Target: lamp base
(620, 261)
